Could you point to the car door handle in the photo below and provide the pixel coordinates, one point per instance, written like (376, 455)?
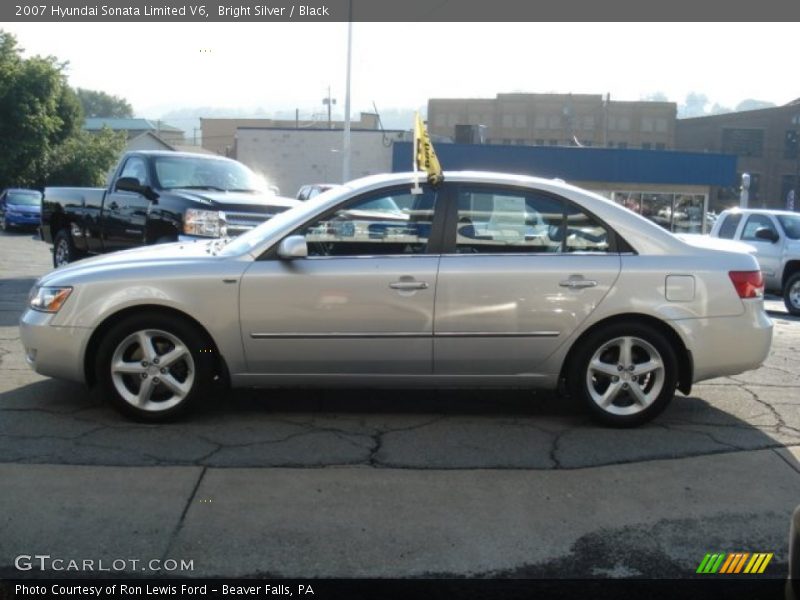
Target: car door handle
(113, 206)
(576, 284)
(409, 285)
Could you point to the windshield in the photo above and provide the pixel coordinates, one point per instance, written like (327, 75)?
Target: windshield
(25, 198)
(206, 173)
(791, 226)
(297, 215)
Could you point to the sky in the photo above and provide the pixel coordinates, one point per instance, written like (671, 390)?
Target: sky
(283, 66)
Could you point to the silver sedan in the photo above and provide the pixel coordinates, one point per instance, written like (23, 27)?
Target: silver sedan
(486, 280)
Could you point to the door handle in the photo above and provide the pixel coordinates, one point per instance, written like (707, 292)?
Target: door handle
(409, 285)
(113, 206)
(576, 284)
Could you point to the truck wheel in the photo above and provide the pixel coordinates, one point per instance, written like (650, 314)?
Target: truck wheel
(791, 294)
(153, 367)
(624, 374)
(64, 251)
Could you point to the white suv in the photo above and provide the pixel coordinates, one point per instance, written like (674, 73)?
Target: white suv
(775, 234)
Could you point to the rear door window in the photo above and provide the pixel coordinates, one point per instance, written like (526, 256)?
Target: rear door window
(729, 224)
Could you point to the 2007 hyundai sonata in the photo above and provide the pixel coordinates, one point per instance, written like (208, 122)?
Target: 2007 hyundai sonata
(486, 280)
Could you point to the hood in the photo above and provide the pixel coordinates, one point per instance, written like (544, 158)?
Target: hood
(135, 257)
(714, 243)
(238, 199)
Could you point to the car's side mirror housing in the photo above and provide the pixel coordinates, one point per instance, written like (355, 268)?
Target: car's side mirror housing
(292, 247)
(766, 234)
(131, 184)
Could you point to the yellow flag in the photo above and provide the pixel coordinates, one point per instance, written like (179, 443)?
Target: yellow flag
(424, 154)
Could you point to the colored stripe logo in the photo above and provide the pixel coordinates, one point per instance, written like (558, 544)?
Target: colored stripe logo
(733, 563)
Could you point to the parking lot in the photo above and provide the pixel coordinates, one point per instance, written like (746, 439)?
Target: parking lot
(395, 483)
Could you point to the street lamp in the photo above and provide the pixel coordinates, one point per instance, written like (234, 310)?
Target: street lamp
(792, 201)
(346, 137)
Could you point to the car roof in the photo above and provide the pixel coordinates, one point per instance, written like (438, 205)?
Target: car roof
(751, 211)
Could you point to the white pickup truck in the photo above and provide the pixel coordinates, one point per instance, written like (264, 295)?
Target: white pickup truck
(775, 234)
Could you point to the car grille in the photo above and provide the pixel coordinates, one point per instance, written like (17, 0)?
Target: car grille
(239, 222)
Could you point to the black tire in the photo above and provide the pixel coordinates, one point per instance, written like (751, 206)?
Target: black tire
(192, 371)
(64, 250)
(794, 556)
(614, 402)
(791, 294)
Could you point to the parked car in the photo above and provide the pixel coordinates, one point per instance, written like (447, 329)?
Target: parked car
(584, 293)
(308, 191)
(156, 197)
(775, 234)
(20, 208)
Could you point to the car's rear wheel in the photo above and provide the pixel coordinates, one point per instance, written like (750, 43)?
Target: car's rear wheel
(153, 367)
(625, 374)
(791, 294)
(64, 250)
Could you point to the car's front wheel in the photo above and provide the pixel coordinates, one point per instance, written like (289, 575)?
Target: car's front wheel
(791, 294)
(153, 367)
(625, 374)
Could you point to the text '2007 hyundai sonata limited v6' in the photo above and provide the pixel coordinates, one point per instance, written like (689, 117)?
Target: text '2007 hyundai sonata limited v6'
(485, 280)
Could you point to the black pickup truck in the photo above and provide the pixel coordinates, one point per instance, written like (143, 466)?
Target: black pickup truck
(156, 197)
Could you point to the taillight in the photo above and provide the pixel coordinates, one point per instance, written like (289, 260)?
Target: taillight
(748, 284)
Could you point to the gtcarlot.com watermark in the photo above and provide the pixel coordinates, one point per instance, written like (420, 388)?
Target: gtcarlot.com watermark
(46, 562)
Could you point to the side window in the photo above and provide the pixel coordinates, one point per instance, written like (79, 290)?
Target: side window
(728, 228)
(584, 233)
(518, 222)
(378, 225)
(135, 167)
(754, 223)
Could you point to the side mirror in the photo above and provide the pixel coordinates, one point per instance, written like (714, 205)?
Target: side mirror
(293, 247)
(129, 184)
(766, 234)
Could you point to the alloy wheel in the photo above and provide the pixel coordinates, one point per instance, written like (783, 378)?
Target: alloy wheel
(625, 376)
(152, 370)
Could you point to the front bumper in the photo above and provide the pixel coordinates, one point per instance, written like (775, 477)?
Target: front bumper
(53, 351)
(22, 220)
(723, 346)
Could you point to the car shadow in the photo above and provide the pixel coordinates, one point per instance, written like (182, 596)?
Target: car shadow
(53, 422)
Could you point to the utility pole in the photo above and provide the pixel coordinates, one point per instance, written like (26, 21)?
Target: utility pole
(329, 101)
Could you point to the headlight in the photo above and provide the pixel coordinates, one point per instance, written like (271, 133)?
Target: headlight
(208, 223)
(49, 299)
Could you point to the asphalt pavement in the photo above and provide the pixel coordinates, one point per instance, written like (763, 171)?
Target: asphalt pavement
(399, 483)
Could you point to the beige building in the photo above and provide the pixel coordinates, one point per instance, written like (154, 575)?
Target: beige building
(219, 135)
(290, 158)
(559, 120)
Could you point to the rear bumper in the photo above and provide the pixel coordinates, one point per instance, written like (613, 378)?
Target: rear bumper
(728, 345)
(53, 351)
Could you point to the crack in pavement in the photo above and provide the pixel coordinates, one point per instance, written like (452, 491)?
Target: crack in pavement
(781, 423)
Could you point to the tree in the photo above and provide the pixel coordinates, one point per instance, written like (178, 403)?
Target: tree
(40, 119)
(100, 104)
(38, 111)
(85, 158)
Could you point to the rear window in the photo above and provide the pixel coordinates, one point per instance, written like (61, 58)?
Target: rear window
(729, 224)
